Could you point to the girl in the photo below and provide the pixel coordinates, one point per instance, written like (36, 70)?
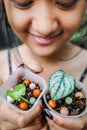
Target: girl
(45, 28)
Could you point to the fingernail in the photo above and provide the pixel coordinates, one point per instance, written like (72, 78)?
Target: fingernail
(21, 65)
(48, 114)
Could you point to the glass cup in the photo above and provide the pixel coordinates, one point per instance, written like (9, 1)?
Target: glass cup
(78, 85)
(14, 79)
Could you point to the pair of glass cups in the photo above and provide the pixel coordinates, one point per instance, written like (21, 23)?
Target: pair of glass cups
(21, 73)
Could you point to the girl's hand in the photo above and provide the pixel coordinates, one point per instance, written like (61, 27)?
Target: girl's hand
(12, 120)
(60, 123)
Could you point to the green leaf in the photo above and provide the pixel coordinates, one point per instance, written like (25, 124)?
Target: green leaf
(18, 91)
(78, 35)
(61, 85)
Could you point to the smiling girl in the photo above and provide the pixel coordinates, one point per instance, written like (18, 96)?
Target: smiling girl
(45, 28)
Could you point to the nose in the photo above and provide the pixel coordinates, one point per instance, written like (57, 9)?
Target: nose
(44, 21)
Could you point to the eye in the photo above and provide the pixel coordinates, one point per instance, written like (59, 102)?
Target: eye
(66, 5)
(22, 3)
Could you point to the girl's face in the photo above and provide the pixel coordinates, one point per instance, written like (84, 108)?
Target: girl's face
(45, 25)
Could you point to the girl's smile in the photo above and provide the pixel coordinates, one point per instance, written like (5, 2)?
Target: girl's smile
(45, 40)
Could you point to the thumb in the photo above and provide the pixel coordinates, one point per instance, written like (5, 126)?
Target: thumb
(68, 123)
(19, 119)
(31, 116)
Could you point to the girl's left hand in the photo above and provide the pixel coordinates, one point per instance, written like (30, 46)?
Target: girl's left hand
(61, 123)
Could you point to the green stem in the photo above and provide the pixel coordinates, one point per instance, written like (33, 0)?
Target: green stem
(27, 101)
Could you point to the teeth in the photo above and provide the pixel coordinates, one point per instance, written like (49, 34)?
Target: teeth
(43, 39)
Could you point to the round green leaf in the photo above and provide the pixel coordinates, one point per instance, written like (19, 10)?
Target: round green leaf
(18, 91)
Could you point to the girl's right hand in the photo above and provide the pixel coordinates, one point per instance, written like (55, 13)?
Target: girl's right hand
(12, 120)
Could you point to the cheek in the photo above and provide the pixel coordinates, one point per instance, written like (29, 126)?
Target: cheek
(14, 17)
(18, 22)
(72, 20)
(71, 24)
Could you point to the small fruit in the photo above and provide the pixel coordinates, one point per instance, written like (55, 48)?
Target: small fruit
(32, 100)
(10, 99)
(68, 100)
(36, 92)
(27, 82)
(64, 111)
(23, 106)
(32, 86)
(52, 104)
(78, 95)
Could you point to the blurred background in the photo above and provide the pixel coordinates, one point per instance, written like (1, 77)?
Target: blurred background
(79, 38)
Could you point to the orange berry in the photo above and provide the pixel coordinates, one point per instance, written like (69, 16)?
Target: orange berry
(36, 92)
(27, 82)
(52, 104)
(24, 106)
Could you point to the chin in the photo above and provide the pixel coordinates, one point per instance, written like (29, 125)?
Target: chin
(44, 52)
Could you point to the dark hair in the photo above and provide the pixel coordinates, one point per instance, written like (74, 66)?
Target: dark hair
(4, 14)
(3, 30)
(9, 38)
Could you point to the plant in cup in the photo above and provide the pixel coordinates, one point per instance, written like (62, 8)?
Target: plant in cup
(64, 96)
(24, 94)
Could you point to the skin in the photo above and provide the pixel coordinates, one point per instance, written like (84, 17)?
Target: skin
(36, 25)
(59, 123)
(19, 121)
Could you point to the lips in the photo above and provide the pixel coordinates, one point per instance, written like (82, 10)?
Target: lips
(44, 41)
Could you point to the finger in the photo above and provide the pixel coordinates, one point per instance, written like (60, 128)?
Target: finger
(36, 121)
(68, 123)
(44, 124)
(45, 127)
(32, 127)
(35, 125)
(84, 119)
(4, 125)
(31, 116)
(53, 126)
(7, 113)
